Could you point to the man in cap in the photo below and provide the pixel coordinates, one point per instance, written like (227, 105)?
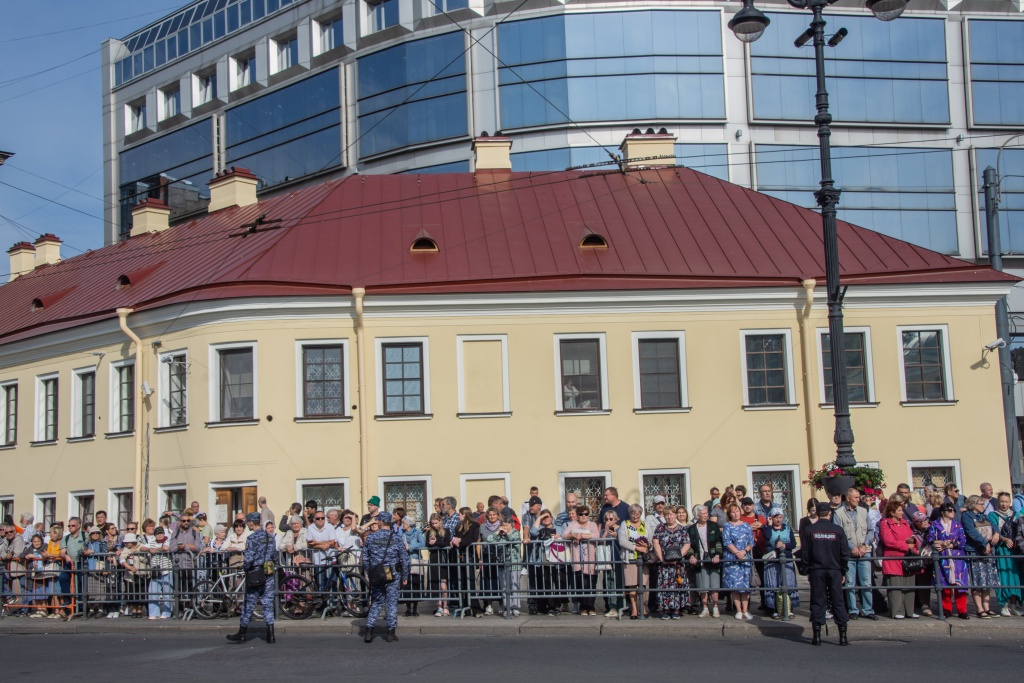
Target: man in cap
(824, 555)
(260, 548)
(382, 548)
(372, 511)
(534, 550)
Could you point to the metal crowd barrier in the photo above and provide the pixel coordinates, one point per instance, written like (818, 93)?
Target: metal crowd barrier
(501, 578)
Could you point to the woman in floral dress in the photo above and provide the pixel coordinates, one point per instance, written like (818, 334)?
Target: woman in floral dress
(947, 539)
(738, 541)
(671, 543)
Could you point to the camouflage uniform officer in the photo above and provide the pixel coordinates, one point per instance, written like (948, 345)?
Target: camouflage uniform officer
(386, 547)
(259, 548)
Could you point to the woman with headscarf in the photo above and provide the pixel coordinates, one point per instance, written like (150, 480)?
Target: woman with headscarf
(779, 542)
(947, 539)
(1006, 553)
(384, 549)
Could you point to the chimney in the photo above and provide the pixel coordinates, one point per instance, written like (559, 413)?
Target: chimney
(149, 215)
(233, 187)
(23, 259)
(47, 249)
(638, 145)
(493, 152)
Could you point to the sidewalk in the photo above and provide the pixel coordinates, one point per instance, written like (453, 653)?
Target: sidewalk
(563, 625)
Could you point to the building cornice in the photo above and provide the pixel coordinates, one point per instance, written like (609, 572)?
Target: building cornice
(152, 324)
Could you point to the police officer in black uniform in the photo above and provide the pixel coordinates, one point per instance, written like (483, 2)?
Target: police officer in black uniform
(823, 557)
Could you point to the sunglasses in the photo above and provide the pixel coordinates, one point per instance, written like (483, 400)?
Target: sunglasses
(316, 519)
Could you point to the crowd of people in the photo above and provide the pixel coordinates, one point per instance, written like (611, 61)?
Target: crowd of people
(492, 559)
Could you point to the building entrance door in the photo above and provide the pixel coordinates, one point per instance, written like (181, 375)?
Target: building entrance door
(234, 500)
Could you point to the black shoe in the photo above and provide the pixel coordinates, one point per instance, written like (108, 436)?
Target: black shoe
(842, 635)
(270, 635)
(816, 634)
(964, 616)
(533, 609)
(238, 638)
(872, 616)
(854, 617)
(415, 613)
(368, 638)
(408, 612)
(391, 637)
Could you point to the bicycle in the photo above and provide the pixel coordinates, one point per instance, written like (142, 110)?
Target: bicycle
(346, 589)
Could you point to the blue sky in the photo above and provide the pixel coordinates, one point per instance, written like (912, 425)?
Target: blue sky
(55, 131)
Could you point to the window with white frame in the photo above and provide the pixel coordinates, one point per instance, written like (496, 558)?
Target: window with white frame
(925, 474)
(174, 369)
(136, 116)
(403, 377)
(9, 412)
(245, 70)
(6, 507)
(233, 383)
(924, 364)
(859, 378)
(171, 102)
(767, 368)
(482, 375)
(173, 498)
(582, 374)
(410, 494)
(331, 33)
(383, 14)
(286, 51)
(47, 403)
(122, 502)
(785, 492)
(670, 484)
(327, 493)
(83, 402)
(659, 371)
(122, 397)
(206, 87)
(46, 509)
(84, 506)
(323, 375)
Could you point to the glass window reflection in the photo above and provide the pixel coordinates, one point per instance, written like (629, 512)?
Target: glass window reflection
(611, 66)
(1011, 204)
(711, 159)
(412, 93)
(883, 72)
(997, 72)
(903, 193)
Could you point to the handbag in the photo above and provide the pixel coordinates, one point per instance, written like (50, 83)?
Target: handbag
(914, 564)
(256, 578)
(672, 555)
(381, 574)
(555, 551)
(603, 557)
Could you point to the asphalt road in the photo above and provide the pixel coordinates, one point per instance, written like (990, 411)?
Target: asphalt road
(197, 657)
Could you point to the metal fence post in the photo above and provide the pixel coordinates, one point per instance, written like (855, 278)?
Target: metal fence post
(641, 587)
(938, 589)
(507, 569)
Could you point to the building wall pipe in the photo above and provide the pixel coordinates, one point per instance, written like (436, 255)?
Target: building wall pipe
(807, 355)
(364, 449)
(137, 494)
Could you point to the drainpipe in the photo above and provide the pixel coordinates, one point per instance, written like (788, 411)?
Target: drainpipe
(122, 315)
(364, 450)
(807, 347)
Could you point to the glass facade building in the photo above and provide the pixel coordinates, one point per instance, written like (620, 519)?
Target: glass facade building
(921, 104)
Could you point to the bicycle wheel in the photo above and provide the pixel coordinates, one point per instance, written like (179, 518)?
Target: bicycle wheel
(356, 595)
(296, 597)
(209, 600)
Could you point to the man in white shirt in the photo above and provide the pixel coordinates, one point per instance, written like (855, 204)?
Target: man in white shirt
(322, 539)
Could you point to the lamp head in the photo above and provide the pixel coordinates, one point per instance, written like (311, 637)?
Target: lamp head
(749, 23)
(886, 10)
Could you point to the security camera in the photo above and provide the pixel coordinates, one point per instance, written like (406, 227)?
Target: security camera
(146, 389)
(997, 344)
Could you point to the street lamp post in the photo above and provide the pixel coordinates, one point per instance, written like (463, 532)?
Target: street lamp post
(748, 25)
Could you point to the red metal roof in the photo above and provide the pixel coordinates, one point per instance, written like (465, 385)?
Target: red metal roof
(496, 231)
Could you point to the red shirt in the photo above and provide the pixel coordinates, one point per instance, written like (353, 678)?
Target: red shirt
(758, 536)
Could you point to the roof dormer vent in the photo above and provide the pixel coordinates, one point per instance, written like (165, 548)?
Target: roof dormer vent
(593, 241)
(424, 245)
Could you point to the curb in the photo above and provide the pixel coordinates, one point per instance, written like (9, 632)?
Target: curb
(533, 626)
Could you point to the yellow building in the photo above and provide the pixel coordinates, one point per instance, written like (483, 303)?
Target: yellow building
(410, 337)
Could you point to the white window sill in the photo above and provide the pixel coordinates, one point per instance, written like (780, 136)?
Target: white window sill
(655, 411)
(869, 404)
(781, 406)
(342, 418)
(8, 446)
(916, 404)
(174, 428)
(33, 444)
(475, 416)
(232, 423)
(118, 435)
(81, 439)
(391, 418)
(568, 413)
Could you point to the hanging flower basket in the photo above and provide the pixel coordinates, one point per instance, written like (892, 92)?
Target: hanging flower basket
(832, 478)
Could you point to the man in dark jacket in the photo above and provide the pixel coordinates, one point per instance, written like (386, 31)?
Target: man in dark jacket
(824, 555)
